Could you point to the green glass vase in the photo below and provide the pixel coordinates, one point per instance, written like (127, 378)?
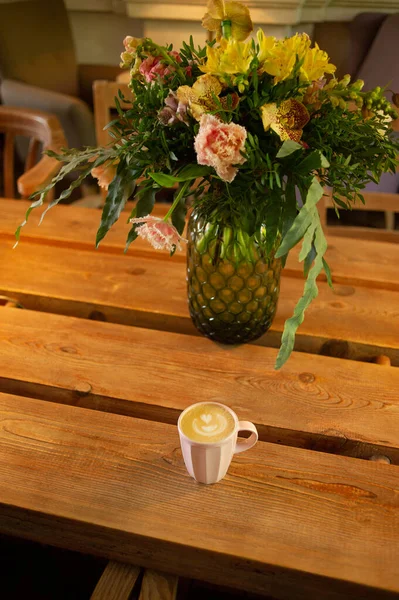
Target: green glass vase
(233, 283)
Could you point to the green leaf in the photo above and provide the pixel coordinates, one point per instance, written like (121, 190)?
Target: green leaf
(145, 203)
(309, 260)
(272, 222)
(179, 215)
(66, 193)
(186, 174)
(308, 239)
(118, 193)
(327, 271)
(288, 147)
(164, 180)
(144, 207)
(132, 235)
(313, 161)
(194, 171)
(73, 160)
(310, 292)
(303, 219)
(324, 162)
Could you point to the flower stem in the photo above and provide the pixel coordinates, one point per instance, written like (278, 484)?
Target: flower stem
(226, 29)
(177, 199)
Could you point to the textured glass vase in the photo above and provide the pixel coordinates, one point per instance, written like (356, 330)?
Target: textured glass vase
(233, 284)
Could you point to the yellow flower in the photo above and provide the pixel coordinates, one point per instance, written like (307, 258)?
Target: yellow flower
(236, 14)
(228, 58)
(315, 65)
(287, 120)
(279, 59)
(266, 46)
(201, 97)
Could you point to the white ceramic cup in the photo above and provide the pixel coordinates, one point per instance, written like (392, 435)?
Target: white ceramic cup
(208, 462)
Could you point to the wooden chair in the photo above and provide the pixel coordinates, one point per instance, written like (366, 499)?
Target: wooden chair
(45, 133)
(374, 201)
(104, 94)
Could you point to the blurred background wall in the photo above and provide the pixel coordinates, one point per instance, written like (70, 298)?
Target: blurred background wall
(174, 20)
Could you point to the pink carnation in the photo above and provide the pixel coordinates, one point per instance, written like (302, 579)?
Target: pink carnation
(159, 233)
(219, 145)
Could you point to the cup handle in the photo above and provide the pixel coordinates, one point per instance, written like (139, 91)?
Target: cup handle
(246, 444)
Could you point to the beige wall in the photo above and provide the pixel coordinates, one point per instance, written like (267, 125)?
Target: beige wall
(98, 36)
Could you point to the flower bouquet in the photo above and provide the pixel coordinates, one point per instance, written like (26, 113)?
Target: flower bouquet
(248, 132)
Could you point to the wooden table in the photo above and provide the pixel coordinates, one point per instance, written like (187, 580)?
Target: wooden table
(97, 368)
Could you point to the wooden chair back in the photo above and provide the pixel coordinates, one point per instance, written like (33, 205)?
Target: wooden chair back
(45, 133)
(104, 94)
(374, 201)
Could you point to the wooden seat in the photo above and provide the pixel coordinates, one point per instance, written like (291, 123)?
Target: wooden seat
(44, 132)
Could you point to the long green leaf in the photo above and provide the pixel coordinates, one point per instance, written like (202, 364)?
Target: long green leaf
(310, 292)
(73, 159)
(143, 207)
(308, 239)
(309, 260)
(327, 271)
(119, 192)
(303, 219)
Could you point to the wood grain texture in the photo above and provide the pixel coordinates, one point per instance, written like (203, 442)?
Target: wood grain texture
(353, 322)
(315, 402)
(352, 261)
(364, 233)
(116, 582)
(299, 524)
(158, 586)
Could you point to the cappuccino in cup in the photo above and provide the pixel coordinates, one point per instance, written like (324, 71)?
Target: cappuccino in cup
(209, 439)
(207, 423)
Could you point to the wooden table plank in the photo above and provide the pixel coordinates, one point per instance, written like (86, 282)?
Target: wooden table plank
(298, 524)
(353, 261)
(315, 402)
(358, 323)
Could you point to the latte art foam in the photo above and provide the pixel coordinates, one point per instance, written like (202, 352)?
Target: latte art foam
(207, 423)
